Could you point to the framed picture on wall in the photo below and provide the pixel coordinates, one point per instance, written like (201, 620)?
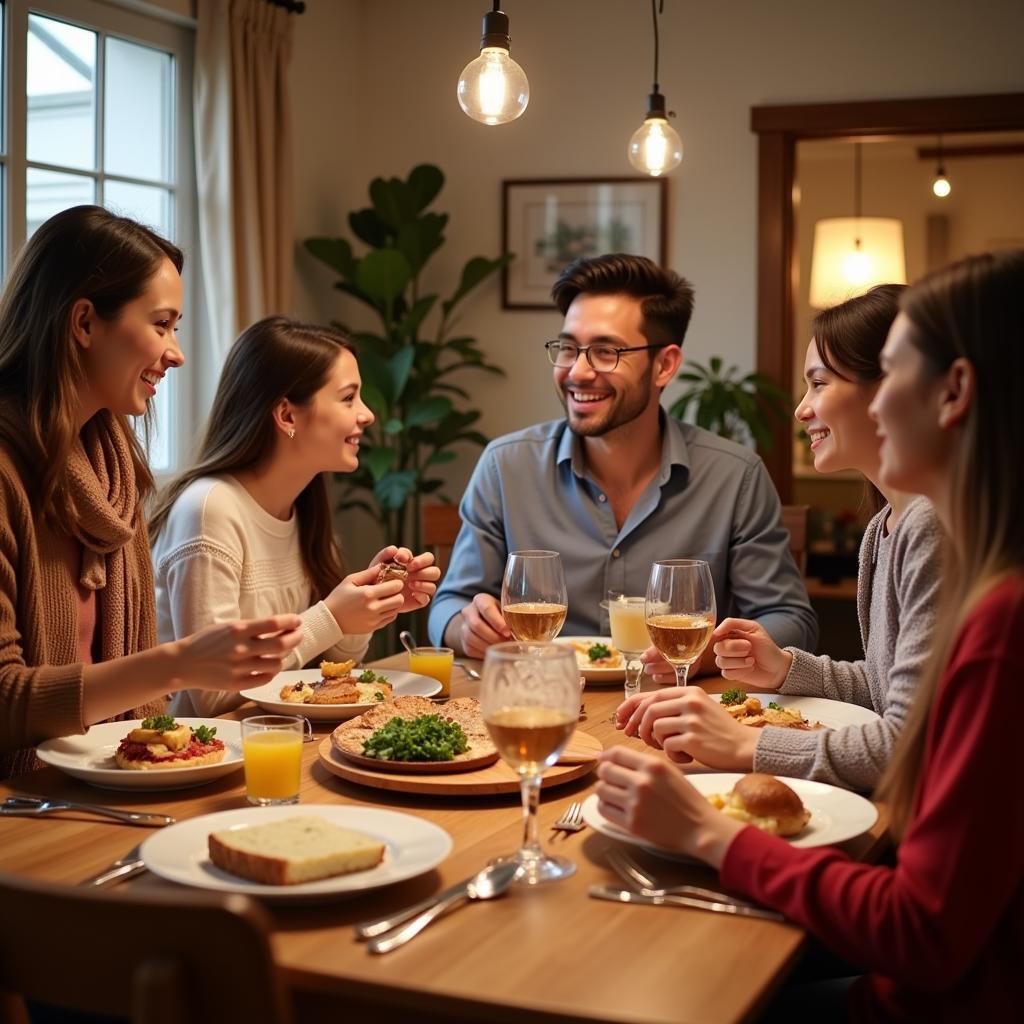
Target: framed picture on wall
(547, 223)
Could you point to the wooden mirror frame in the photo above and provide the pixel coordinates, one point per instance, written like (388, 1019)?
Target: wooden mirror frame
(779, 129)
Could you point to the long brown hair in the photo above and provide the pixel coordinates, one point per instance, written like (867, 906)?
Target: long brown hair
(972, 310)
(85, 252)
(275, 358)
(849, 339)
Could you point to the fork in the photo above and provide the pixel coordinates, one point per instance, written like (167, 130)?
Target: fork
(634, 875)
(572, 819)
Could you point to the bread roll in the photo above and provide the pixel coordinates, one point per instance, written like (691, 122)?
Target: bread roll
(764, 801)
(294, 850)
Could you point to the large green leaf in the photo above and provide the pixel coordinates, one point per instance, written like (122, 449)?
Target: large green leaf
(478, 269)
(368, 226)
(375, 369)
(392, 201)
(425, 182)
(375, 401)
(439, 457)
(379, 461)
(393, 489)
(348, 289)
(383, 275)
(336, 253)
(411, 322)
(400, 365)
(428, 410)
(419, 239)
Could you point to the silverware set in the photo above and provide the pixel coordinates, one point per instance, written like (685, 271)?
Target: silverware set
(35, 807)
(645, 889)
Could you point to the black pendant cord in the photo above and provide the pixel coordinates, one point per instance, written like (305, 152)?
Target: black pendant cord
(654, 18)
(856, 180)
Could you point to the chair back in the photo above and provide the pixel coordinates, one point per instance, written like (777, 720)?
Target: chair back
(794, 518)
(439, 526)
(155, 958)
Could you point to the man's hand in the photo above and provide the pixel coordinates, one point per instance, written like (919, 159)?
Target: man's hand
(478, 626)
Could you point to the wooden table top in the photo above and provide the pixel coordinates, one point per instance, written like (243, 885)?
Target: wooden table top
(548, 953)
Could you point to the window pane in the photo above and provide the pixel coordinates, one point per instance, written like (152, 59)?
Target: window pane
(61, 102)
(48, 192)
(159, 448)
(137, 109)
(149, 205)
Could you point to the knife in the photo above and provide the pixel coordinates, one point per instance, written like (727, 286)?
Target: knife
(379, 925)
(128, 866)
(609, 892)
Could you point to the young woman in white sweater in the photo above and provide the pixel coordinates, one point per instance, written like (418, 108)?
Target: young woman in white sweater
(247, 530)
(897, 591)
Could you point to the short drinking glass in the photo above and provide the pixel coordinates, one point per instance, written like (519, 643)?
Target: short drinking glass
(680, 611)
(627, 625)
(530, 697)
(272, 752)
(533, 596)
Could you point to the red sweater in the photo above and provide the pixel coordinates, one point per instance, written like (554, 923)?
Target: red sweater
(941, 935)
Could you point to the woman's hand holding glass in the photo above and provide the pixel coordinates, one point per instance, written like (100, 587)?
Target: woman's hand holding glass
(744, 652)
(653, 800)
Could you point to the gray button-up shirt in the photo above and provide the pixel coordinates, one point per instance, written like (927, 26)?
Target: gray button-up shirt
(710, 499)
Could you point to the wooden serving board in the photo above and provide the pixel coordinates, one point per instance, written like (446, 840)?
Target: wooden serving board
(582, 751)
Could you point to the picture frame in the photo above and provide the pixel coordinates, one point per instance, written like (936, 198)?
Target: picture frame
(548, 222)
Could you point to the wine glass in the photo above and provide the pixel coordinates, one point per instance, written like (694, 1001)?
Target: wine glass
(530, 698)
(680, 611)
(533, 596)
(627, 625)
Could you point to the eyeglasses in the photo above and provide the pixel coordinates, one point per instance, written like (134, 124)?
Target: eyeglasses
(603, 358)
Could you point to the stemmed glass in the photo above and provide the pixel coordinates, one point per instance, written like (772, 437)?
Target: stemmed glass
(533, 596)
(627, 625)
(680, 611)
(530, 698)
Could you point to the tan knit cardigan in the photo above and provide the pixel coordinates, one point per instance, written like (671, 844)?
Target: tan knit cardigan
(40, 675)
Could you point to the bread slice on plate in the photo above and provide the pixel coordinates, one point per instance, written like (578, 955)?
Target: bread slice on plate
(294, 850)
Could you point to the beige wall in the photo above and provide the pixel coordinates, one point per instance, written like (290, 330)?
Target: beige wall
(374, 93)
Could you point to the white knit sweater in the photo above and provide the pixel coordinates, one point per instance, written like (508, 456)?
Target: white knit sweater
(221, 556)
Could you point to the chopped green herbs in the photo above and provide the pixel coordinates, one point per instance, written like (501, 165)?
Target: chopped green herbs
(774, 706)
(204, 733)
(424, 738)
(163, 723)
(379, 696)
(595, 652)
(733, 697)
(368, 676)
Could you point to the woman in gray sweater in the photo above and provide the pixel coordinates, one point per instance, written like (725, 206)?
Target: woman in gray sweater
(897, 586)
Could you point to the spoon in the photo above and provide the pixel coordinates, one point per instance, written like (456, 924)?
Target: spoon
(408, 641)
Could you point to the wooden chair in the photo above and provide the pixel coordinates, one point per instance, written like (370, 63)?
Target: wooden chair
(156, 958)
(794, 518)
(439, 526)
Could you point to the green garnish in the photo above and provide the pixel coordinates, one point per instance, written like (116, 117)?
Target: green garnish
(204, 733)
(379, 695)
(774, 706)
(595, 652)
(733, 697)
(367, 676)
(163, 723)
(424, 738)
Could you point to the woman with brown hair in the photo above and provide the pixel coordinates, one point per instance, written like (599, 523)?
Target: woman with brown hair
(87, 322)
(897, 590)
(247, 529)
(940, 934)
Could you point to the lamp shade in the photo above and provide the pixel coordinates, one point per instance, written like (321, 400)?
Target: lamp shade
(842, 268)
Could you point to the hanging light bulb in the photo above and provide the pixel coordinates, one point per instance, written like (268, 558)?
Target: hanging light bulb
(941, 186)
(493, 88)
(655, 147)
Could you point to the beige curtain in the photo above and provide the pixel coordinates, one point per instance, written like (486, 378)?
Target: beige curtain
(243, 163)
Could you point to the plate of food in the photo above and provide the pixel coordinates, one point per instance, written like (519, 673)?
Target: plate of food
(804, 813)
(597, 657)
(151, 753)
(295, 854)
(790, 711)
(337, 690)
(411, 734)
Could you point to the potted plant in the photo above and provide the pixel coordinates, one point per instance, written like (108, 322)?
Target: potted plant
(410, 373)
(732, 406)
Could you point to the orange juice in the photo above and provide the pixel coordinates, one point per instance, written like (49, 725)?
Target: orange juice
(435, 662)
(272, 766)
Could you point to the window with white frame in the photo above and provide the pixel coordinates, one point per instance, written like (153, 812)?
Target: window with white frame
(97, 109)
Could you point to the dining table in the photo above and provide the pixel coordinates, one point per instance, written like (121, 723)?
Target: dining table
(540, 953)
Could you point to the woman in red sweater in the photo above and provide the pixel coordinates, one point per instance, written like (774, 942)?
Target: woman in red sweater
(940, 935)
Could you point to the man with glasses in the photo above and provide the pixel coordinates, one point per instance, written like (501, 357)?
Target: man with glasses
(617, 484)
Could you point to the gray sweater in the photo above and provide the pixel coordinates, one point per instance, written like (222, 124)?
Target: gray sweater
(897, 588)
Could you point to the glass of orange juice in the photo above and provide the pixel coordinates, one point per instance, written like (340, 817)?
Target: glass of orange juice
(272, 752)
(435, 662)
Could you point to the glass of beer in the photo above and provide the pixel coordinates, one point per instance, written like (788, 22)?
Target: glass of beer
(680, 611)
(533, 597)
(530, 698)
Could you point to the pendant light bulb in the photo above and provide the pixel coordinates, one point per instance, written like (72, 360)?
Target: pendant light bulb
(941, 186)
(493, 88)
(857, 267)
(655, 147)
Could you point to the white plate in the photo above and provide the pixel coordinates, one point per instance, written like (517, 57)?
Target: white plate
(91, 757)
(833, 713)
(836, 814)
(268, 696)
(594, 675)
(180, 853)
